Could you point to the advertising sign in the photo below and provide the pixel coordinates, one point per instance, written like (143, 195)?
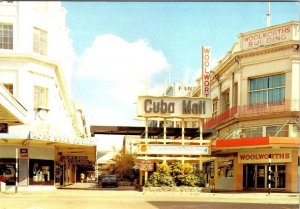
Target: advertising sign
(174, 107)
(146, 165)
(173, 149)
(206, 53)
(266, 37)
(279, 156)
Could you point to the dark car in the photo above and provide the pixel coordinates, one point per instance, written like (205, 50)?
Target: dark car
(109, 180)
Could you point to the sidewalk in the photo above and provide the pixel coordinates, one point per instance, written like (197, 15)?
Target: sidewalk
(91, 189)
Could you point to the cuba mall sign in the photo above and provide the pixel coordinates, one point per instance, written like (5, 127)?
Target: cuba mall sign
(175, 107)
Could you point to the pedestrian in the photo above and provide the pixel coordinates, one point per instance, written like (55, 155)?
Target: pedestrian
(81, 177)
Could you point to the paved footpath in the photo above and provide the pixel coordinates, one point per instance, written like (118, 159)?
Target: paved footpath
(89, 196)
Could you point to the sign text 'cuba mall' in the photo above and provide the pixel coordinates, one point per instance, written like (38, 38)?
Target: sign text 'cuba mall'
(183, 107)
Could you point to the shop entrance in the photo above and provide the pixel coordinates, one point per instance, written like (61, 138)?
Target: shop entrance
(256, 176)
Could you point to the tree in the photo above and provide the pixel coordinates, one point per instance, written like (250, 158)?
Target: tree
(124, 164)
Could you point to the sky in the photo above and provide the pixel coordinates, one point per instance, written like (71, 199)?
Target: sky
(124, 48)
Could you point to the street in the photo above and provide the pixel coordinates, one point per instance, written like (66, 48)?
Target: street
(127, 198)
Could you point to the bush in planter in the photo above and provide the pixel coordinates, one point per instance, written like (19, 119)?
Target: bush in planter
(159, 180)
(162, 177)
(185, 174)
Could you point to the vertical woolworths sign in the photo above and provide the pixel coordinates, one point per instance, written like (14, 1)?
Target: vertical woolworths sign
(206, 52)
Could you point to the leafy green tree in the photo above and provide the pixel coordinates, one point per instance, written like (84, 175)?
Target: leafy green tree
(177, 174)
(125, 163)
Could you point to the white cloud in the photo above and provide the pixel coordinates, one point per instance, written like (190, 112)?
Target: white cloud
(118, 69)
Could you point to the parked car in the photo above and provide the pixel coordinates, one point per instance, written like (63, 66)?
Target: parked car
(109, 180)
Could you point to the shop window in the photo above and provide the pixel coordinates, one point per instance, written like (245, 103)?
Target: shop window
(39, 41)
(9, 87)
(267, 91)
(6, 36)
(225, 169)
(8, 171)
(41, 172)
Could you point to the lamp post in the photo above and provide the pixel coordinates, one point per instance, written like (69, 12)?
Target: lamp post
(269, 174)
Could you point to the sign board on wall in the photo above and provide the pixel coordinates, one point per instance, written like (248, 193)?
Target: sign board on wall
(206, 53)
(279, 156)
(24, 153)
(146, 165)
(173, 149)
(174, 107)
(3, 128)
(266, 37)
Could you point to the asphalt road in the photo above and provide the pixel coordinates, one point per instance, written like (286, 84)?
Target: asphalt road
(122, 198)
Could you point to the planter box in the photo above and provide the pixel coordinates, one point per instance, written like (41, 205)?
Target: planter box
(176, 189)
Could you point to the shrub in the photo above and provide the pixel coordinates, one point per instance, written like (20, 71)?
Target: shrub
(177, 174)
(160, 179)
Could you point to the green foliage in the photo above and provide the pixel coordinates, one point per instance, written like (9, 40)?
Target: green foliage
(160, 179)
(177, 174)
(163, 168)
(124, 164)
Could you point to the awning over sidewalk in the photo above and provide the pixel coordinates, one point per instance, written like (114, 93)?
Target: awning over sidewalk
(152, 131)
(11, 111)
(65, 149)
(233, 145)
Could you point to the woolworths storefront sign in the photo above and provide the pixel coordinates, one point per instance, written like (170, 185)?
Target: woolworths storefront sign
(277, 156)
(174, 107)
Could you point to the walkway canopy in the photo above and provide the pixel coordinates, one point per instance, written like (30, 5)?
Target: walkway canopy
(152, 131)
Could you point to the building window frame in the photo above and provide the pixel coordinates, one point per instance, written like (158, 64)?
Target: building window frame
(6, 36)
(40, 97)
(40, 41)
(225, 100)
(215, 108)
(267, 90)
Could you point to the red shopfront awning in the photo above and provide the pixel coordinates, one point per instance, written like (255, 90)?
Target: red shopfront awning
(258, 141)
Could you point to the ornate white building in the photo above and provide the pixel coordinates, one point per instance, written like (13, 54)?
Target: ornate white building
(37, 114)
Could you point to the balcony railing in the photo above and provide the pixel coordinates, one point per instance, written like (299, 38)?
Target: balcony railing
(254, 110)
(224, 116)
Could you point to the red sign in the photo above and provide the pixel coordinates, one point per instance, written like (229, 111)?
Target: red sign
(206, 71)
(23, 153)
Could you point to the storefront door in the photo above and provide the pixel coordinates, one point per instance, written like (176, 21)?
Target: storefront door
(256, 176)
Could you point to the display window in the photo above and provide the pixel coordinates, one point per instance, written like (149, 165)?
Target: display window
(225, 169)
(8, 170)
(41, 172)
(256, 176)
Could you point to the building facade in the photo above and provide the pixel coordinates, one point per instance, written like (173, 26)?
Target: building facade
(46, 142)
(255, 113)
